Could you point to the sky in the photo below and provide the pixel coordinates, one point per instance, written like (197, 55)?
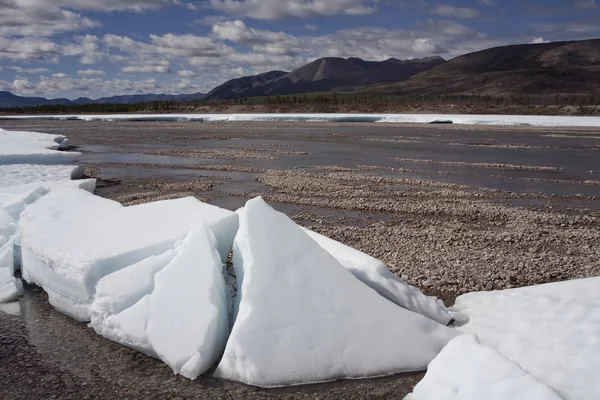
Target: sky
(95, 48)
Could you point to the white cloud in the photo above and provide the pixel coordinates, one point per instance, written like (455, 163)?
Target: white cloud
(161, 69)
(277, 9)
(103, 5)
(450, 28)
(87, 48)
(237, 31)
(538, 40)
(90, 72)
(39, 18)
(187, 73)
(445, 10)
(310, 27)
(28, 18)
(21, 70)
(28, 49)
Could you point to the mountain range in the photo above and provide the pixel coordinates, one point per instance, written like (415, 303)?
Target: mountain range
(518, 70)
(330, 74)
(7, 99)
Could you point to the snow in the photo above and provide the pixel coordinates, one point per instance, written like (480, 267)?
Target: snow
(10, 287)
(375, 274)
(30, 167)
(18, 147)
(467, 370)
(13, 308)
(552, 331)
(70, 239)
(305, 318)
(21, 174)
(14, 199)
(177, 312)
(515, 120)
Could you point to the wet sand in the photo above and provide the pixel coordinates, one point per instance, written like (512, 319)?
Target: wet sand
(450, 209)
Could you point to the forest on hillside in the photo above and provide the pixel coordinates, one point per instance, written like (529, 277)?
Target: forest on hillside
(322, 101)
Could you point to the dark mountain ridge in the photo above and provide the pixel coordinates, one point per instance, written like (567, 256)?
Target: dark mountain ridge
(330, 74)
(529, 69)
(10, 100)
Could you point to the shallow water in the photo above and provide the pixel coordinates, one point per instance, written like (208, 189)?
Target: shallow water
(44, 354)
(576, 159)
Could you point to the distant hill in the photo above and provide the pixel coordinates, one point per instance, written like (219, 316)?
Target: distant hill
(328, 74)
(7, 100)
(518, 70)
(141, 98)
(247, 86)
(10, 100)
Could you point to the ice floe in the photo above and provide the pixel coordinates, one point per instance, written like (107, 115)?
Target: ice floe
(467, 370)
(375, 274)
(30, 167)
(18, 147)
(177, 312)
(22, 174)
(303, 317)
(70, 239)
(515, 120)
(10, 287)
(552, 331)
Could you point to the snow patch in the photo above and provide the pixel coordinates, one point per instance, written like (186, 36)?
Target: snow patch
(466, 370)
(21, 174)
(18, 147)
(551, 330)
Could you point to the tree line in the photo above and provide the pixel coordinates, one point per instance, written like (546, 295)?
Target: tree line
(321, 99)
(92, 108)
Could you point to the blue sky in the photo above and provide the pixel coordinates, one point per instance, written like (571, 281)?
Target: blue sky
(94, 48)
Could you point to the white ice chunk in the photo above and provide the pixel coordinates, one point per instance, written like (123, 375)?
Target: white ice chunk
(18, 147)
(14, 199)
(183, 317)
(128, 327)
(470, 119)
(467, 370)
(21, 174)
(70, 239)
(305, 318)
(552, 331)
(375, 274)
(188, 311)
(13, 308)
(122, 289)
(10, 287)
